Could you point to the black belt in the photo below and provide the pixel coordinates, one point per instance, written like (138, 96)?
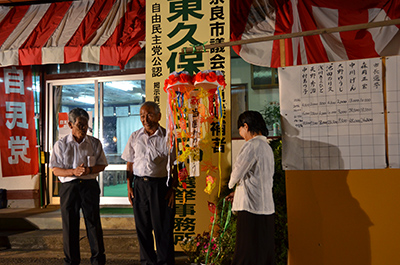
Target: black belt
(146, 179)
(78, 180)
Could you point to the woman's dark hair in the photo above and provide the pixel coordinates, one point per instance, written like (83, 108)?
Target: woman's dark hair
(254, 121)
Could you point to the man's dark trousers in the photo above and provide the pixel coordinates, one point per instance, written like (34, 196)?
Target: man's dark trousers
(151, 212)
(83, 194)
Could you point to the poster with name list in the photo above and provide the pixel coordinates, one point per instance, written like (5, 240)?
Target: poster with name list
(333, 116)
(393, 109)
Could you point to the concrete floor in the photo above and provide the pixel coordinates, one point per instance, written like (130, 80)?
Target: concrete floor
(34, 236)
(40, 257)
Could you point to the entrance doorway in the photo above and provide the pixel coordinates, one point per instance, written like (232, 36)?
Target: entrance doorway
(113, 104)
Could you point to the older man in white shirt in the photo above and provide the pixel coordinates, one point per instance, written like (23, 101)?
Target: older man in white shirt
(150, 190)
(77, 159)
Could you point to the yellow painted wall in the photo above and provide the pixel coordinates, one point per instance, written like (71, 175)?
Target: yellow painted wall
(344, 217)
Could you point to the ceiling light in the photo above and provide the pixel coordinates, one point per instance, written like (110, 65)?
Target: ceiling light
(85, 99)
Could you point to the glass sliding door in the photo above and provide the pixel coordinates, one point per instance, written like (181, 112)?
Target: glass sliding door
(113, 105)
(121, 104)
(65, 98)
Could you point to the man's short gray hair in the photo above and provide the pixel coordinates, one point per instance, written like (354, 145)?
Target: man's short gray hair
(152, 104)
(75, 113)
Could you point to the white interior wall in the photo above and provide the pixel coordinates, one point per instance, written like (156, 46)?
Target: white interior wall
(257, 98)
(236, 145)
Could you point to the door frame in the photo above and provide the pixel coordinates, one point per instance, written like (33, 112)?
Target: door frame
(98, 125)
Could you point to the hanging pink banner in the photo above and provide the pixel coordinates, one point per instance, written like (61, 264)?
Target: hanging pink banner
(19, 154)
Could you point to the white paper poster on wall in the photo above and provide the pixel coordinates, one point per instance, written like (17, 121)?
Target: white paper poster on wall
(393, 109)
(333, 116)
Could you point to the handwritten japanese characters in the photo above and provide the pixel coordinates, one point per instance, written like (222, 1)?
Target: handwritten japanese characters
(170, 26)
(333, 115)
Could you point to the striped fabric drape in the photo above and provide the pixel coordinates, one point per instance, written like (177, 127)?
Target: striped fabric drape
(106, 32)
(262, 18)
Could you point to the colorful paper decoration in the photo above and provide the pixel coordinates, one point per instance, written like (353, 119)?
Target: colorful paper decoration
(211, 207)
(210, 184)
(194, 102)
(182, 174)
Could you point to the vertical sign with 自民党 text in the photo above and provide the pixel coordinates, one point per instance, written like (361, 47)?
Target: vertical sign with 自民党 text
(170, 27)
(19, 154)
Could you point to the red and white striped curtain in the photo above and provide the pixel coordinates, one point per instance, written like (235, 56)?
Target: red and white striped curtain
(106, 32)
(262, 18)
(110, 32)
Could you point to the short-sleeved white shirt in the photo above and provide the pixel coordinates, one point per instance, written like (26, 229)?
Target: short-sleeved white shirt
(253, 176)
(68, 153)
(149, 154)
